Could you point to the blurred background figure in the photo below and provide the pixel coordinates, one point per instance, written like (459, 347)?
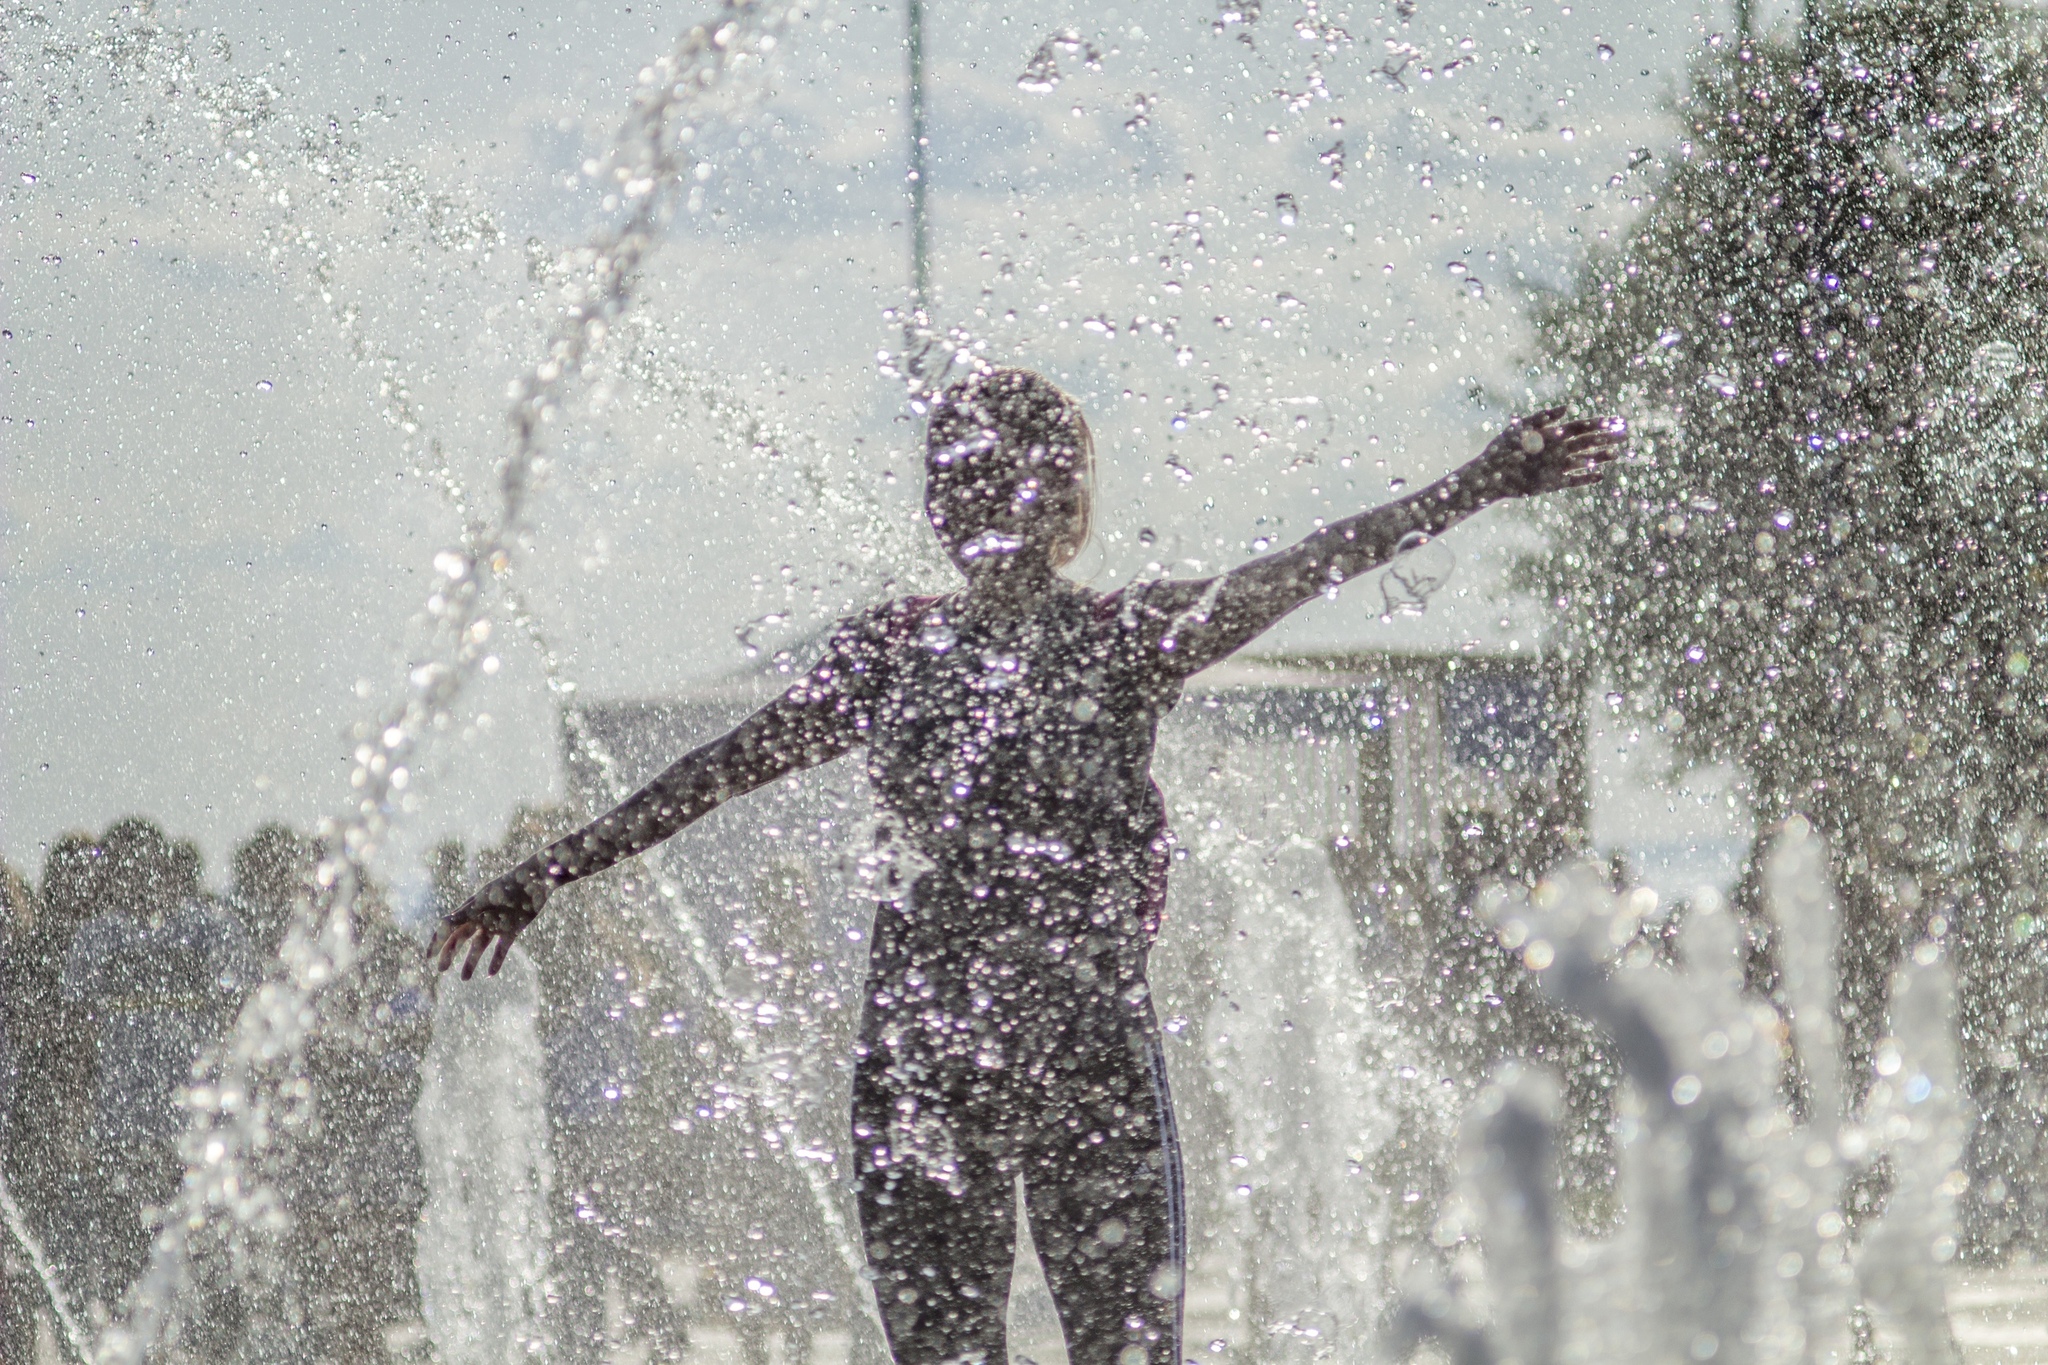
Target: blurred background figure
(611, 1145)
(158, 970)
(346, 1288)
(45, 1139)
(20, 1294)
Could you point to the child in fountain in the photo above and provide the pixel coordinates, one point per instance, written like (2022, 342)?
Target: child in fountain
(1009, 729)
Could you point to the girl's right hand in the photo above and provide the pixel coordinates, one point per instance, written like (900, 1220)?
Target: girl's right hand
(498, 911)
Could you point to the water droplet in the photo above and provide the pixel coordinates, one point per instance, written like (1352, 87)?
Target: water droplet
(27, 178)
(1719, 383)
(1568, 133)
(1284, 208)
(1995, 362)
(1604, 52)
(1042, 73)
(1457, 267)
(263, 386)
(1334, 159)
(1494, 124)
(1420, 567)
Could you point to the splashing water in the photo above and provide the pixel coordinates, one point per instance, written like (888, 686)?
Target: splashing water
(1042, 72)
(75, 1338)
(1419, 570)
(1293, 1000)
(243, 1094)
(483, 1234)
(1743, 1239)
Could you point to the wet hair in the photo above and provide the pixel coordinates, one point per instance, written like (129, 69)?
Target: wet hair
(1000, 437)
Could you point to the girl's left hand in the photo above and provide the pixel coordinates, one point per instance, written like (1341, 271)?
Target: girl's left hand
(1542, 453)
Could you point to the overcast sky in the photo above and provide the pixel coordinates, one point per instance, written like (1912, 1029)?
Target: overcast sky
(242, 247)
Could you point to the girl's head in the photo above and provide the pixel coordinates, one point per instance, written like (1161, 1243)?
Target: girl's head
(1008, 464)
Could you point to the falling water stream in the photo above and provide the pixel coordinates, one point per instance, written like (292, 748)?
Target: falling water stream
(242, 1094)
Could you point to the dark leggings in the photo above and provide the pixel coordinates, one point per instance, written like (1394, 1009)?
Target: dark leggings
(941, 1137)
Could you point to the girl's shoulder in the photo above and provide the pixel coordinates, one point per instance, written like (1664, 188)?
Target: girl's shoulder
(863, 638)
(898, 618)
(1137, 602)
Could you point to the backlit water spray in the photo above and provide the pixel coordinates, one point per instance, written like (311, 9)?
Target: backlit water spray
(1750, 1233)
(253, 1080)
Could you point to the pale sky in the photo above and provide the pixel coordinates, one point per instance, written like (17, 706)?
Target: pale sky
(216, 544)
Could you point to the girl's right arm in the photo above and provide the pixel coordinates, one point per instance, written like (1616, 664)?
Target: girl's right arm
(808, 725)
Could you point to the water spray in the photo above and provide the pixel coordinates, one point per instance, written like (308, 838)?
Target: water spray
(247, 1079)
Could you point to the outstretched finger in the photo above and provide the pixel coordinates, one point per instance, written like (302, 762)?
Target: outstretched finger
(498, 958)
(459, 933)
(1601, 445)
(1580, 478)
(1545, 417)
(479, 942)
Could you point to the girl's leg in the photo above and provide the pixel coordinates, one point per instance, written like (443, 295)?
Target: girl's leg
(938, 1218)
(1103, 1190)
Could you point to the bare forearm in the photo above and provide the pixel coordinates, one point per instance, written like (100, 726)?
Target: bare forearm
(687, 790)
(777, 740)
(1362, 542)
(1215, 618)
(807, 725)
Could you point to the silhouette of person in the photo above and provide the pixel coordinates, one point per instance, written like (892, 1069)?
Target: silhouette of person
(346, 1275)
(159, 970)
(1009, 728)
(46, 1143)
(20, 1295)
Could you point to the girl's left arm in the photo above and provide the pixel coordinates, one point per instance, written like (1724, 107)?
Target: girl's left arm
(1200, 621)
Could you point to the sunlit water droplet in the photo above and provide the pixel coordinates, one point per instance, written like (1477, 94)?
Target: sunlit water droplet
(1042, 73)
(1421, 565)
(1996, 362)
